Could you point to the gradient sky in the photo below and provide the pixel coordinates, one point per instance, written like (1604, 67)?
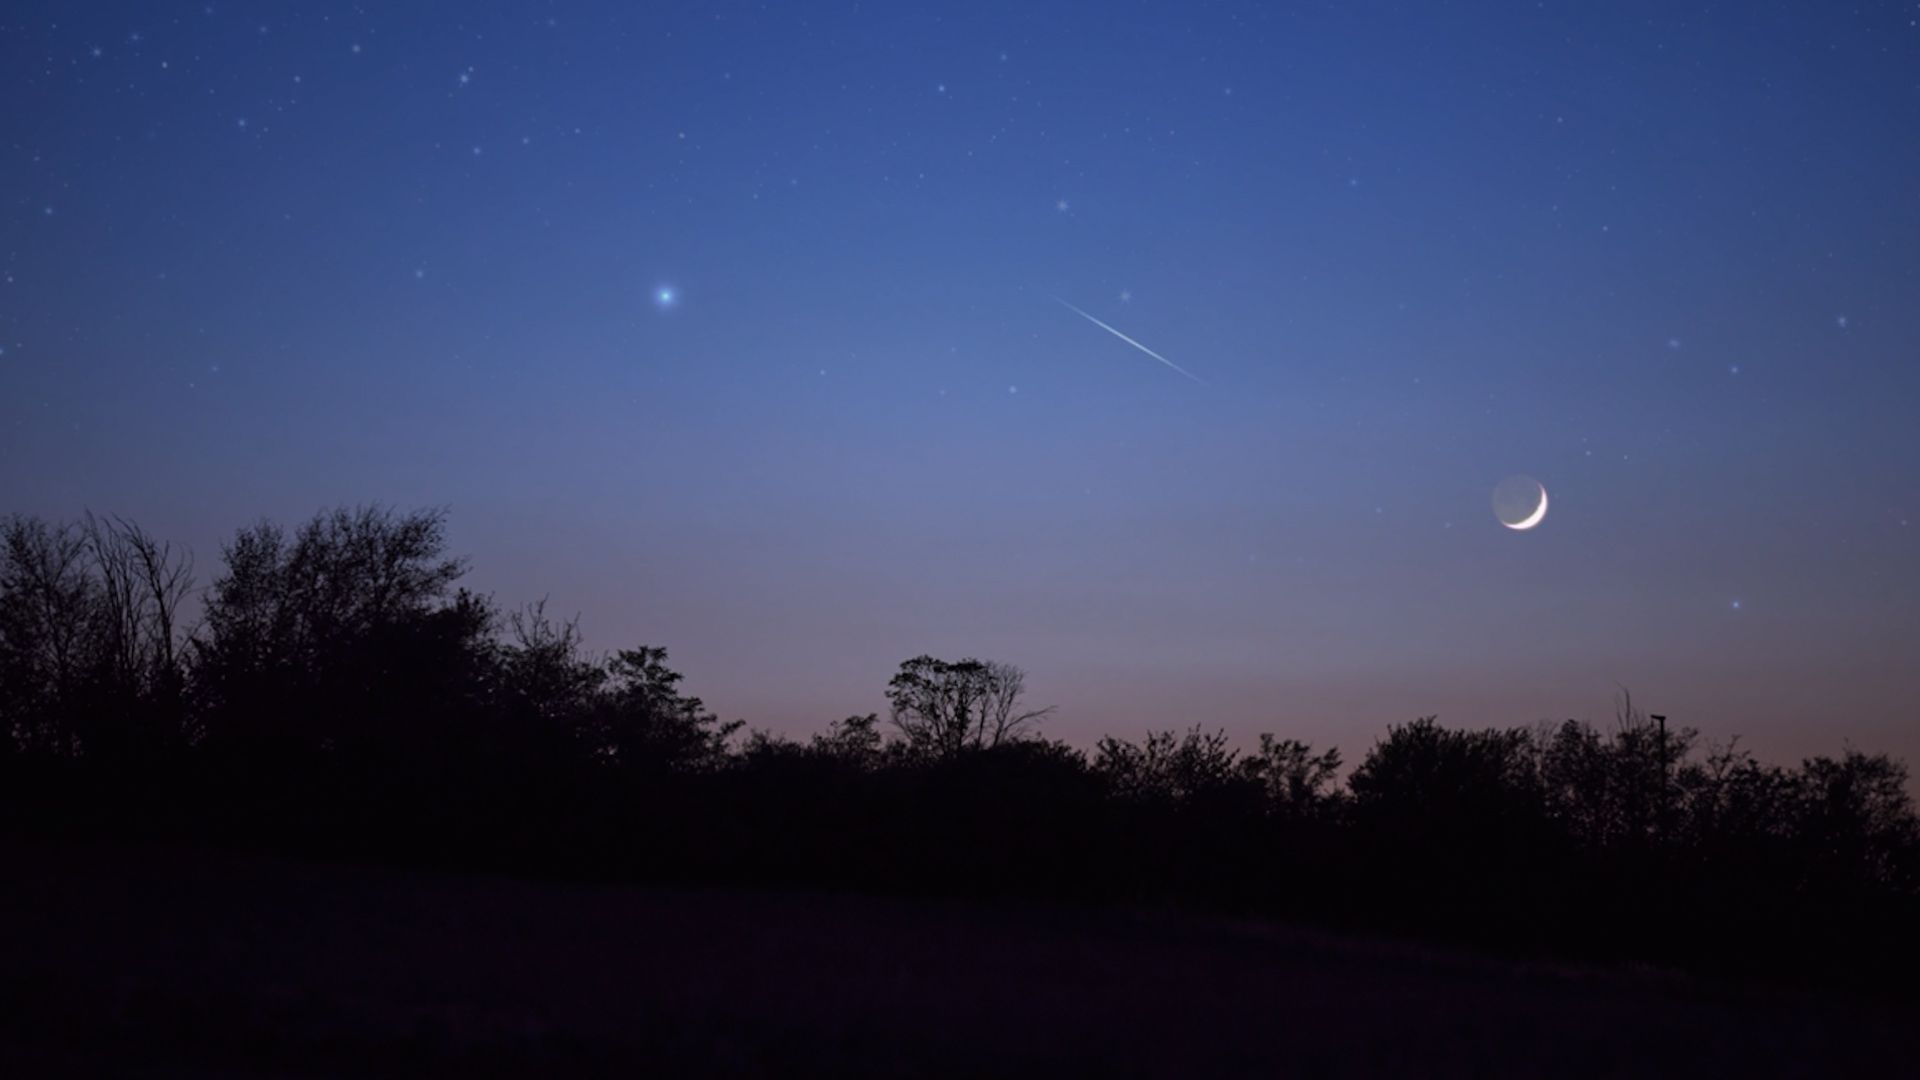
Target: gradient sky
(258, 259)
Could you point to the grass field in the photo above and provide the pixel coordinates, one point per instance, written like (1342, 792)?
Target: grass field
(198, 965)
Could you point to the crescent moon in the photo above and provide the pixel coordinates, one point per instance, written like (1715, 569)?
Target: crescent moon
(1539, 513)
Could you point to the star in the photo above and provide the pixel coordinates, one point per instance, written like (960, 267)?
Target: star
(1060, 205)
(1126, 296)
(1736, 605)
(665, 296)
(1673, 343)
(1841, 322)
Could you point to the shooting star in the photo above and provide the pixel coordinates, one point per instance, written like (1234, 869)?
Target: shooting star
(1130, 341)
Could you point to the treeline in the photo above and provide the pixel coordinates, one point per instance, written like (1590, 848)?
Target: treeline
(340, 694)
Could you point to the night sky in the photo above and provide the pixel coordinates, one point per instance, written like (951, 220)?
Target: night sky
(767, 333)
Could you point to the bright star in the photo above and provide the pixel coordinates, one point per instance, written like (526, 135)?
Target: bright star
(666, 296)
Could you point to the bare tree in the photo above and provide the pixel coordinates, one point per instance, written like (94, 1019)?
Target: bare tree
(545, 672)
(942, 708)
(46, 603)
(141, 583)
(43, 578)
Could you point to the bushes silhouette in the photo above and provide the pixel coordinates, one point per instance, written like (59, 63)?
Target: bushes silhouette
(341, 694)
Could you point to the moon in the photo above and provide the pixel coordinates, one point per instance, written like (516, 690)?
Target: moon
(1520, 502)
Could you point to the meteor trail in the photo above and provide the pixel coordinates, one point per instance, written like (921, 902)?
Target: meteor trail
(1130, 341)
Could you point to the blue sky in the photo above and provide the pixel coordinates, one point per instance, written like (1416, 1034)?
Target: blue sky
(262, 259)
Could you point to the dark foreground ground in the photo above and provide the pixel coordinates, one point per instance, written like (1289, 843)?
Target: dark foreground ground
(195, 965)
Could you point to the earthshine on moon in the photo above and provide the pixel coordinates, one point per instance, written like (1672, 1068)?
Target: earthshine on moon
(1520, 502)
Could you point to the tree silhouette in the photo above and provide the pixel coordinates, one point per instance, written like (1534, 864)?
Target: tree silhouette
(640, 720)
(1476, 795)
(136, 681)
(1173, 768)
(348, 634)
(854, 740)
(1300, 784)
(46, 612)
(943, 708)
(1856, 822)
(543, 677)
(90, 639)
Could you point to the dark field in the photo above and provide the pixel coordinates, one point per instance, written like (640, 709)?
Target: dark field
(193, 965)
